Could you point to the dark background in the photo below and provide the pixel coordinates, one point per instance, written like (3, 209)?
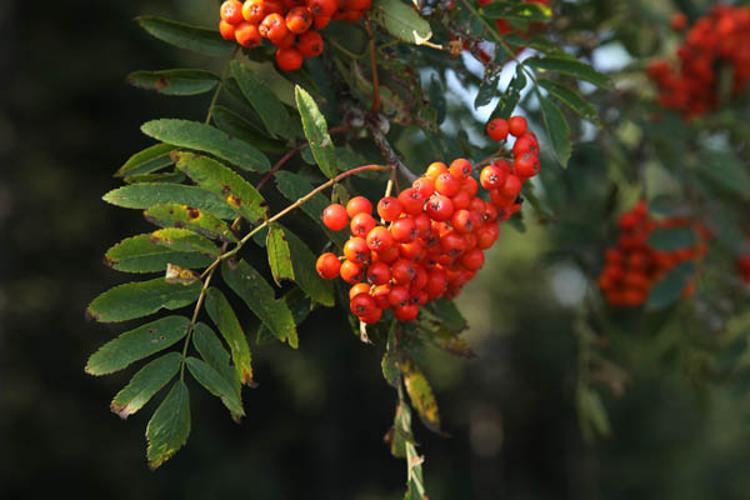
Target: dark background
(315, 424)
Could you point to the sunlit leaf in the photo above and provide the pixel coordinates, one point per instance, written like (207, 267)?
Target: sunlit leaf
(135, 300)
(149, 160)
(201, 137)
(183, 216)
(146, 195)
(140, 254)
(316, 131)
(401, 21)
(279, 255)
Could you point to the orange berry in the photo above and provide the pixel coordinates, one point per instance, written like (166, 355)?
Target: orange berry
(231, 11)
(289, 59)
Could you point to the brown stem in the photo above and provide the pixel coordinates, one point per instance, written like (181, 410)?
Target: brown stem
(373, 68)
(388, 152)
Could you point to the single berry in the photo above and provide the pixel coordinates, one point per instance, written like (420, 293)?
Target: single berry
(389, 208)
(357, 205)
(517, 125)
(310, 44)
(253, 11)
(362, 224)
(335, 217)
(231, 11)
(356, 250)
(328, 266)
(289, 59)
(404, 230)
(497, 129)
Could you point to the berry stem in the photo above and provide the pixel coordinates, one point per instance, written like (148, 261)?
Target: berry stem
(373, 67)
(219, 87)
(388, 152)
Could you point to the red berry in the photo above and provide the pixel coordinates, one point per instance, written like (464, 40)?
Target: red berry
(231, 11)
(358, 205)
(527, 165)
(497, 129)
(362, 224)
(358, 289)
(398, 296)
(351, 272)
(324, 8)
(473, 259)
(460, 168)
(412, 201)
(492, 177)
(379, 239)
(362, 305)
(247, 35)
(310, 44)
(403, 271)
(289, 59)
(512, 186)
(253, 11)
(406, 313)
(328, 266)
(425, 185)
(435, 169)
(517, 125)
(379, 273)
(298, 20)
(464, 221)
(334, 217)
(404, 230)
(356, 250)
(447, 185)
(227, 30)
(439, 208)
(389, 208)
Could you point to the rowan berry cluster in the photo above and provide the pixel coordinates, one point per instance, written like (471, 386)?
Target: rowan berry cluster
(717, 41)
(290, 25)
(431, 237)
(632, 267)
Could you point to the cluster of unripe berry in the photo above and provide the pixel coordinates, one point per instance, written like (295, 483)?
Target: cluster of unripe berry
(632, 267)
(430, 239)
(720, 40)
(290, 25)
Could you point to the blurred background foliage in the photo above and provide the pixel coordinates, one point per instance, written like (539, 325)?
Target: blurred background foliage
(315, 424)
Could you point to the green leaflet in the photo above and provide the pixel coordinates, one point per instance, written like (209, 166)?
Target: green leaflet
(178, 82)
(213, 352)
(298, 303)
(570, 67)
(217, 385)
(214, 177)
(569, 97)
(169, 427)
(140, 254)
(184, 240)
(145, 384)
(316, 132)
(149, 160)
(201, 137)
(557, 129)
(183, 216)
(242, 128)
(146, 195)
(137, 344)
(223, 316)
(270, 109)
(135, 300)
(201, 40)
(421, 395)
(259, 296)
(401, 21)
(279, 255)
